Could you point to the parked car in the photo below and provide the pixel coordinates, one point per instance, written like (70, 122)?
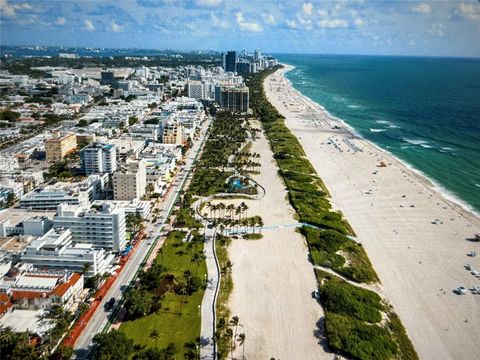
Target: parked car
(109, 304)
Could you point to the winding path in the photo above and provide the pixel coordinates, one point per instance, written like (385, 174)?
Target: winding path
(209, 302)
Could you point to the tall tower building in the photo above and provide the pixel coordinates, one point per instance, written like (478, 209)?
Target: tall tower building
(257, 55)
(231, 61)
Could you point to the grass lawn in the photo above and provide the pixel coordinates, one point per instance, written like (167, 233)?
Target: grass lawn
(178, 319)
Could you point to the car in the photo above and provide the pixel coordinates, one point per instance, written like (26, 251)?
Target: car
(316, 295)
(109, 304)
(460, 290)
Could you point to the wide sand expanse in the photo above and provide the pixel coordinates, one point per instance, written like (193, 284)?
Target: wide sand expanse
(415, 238)
(273, 279)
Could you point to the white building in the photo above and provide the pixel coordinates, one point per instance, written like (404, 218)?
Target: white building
(82, 193)
(99, 158)
(135, 206)
(103, 228)
(56, 251)
(130, 181)
(197, 90)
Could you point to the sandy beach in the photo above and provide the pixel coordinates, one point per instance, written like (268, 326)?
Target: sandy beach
(273, 279)
(414, 236)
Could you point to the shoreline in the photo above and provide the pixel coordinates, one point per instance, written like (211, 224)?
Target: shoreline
(453, 199)
(411, 254)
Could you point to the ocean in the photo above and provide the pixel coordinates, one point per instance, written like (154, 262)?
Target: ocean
(425, 111)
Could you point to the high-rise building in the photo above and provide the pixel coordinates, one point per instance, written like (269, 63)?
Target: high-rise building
(130, 181)
(99, 158)
(103, 228)
(231, 61)
(245, 67)
(196, 90)
(57, 147)
(257, 55)
(233, 98)
(107, 78)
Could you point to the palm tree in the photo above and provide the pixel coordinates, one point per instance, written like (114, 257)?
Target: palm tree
(234, 322)
(241, 341)
(252, 222)
(238, 211)
(154, 334)
(260, 224)
(244, 208)
(86, 268)
(221, 207)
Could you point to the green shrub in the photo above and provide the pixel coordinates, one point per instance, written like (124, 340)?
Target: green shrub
(358, 340)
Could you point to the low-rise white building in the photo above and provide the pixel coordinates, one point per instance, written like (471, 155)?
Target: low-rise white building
(82, 193)
(56, 251)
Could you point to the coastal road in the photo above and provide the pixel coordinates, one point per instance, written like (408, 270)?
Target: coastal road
(100, 320)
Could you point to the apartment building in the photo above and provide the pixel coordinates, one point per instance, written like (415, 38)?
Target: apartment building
(130, 181)
(99, 158)
(172, 133)
(102, 227)
(58, 147)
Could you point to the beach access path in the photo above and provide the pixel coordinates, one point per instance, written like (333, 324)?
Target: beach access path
(415, 237)
(273, 279)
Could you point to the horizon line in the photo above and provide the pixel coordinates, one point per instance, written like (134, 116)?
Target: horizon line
(270, 53)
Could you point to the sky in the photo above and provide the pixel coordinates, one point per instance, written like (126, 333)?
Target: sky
(388, 27)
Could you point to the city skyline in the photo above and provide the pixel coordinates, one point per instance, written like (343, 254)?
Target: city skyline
(428, 28)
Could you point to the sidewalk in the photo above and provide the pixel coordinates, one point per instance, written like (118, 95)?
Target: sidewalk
(208, 311)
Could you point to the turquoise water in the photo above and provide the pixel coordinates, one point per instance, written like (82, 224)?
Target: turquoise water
(426, 111)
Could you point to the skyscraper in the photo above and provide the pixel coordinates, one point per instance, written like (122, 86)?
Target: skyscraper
(107, 78)
(257, 55)
(231, 61)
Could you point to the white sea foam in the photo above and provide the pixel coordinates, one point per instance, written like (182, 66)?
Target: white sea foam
(377, 130)
(415, 141)
(354, 106)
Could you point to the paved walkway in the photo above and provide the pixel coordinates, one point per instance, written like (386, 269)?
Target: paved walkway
(208, 311)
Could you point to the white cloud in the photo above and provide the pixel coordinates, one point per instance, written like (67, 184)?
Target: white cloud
(292, 24)
(307, 8)
(269, 19)
(470, 10)
(209, 2)
(9, 10)
(60, 21)
(247, 25)
(421, 8)
(89, 25)
(322, 13)
(359, 22)
(333, 23)
(218, 22)
(115, 27)
(436, 30)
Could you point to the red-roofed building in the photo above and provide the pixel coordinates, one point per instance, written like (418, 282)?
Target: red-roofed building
(41, 290)
(5, 304)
